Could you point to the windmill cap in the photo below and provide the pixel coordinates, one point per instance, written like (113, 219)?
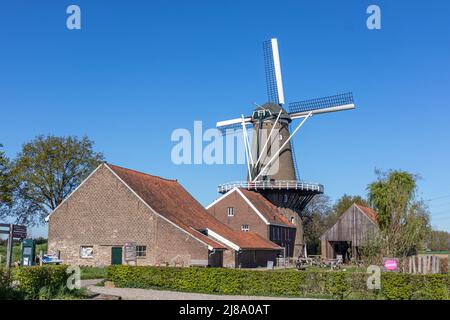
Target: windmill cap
(274, 110)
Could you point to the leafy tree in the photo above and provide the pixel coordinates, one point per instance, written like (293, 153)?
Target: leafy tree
(403, 220)
(5, 181)
(46, 171)
(320, 215)
(346, 202)
(438, 241)
(317, 218)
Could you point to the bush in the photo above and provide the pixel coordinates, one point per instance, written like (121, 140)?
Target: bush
(40, 281)
(287, 283)
(6, 291)
(415, 287)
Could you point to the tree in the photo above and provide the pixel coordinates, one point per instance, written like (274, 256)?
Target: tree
(5, 181)
(46, 171)
(403, 220)
(438, 241)
(317, 218)
(346, 202)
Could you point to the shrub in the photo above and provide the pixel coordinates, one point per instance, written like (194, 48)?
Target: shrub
(6, 291)
(339, 285)
(40, 281)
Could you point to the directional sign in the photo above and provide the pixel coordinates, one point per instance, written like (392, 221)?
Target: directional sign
(13, 231)
(19, 231)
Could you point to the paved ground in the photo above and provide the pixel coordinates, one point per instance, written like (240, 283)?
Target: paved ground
(147, 294)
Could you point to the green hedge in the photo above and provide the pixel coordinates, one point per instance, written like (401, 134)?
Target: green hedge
(287, 283)
(33, 282)
(6, 290)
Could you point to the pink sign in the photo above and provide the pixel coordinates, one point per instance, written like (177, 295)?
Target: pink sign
(391, 264)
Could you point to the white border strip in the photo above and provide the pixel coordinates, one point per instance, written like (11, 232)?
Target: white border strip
(225, 241)
(245, 199)
(253, 207)
(222, 197)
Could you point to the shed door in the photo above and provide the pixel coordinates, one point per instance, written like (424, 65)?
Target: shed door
(116, 255)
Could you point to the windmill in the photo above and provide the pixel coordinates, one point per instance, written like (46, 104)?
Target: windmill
(271, 165)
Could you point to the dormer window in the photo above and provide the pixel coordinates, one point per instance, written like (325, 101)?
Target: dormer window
(230, 211)
(292, 220)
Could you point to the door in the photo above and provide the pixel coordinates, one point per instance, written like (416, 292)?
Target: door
(116, 255)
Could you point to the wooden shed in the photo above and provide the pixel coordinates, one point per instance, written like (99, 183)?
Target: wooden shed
(353, 228)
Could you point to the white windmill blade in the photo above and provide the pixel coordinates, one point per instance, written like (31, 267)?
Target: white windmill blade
(233, 122)
(335, 103)
(273, 71)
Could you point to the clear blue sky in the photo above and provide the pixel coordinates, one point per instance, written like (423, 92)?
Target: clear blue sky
(140, 69)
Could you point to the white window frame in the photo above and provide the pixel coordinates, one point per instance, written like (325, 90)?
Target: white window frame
(230, 211)
(141, 251)
(245, 227)
(91, 256)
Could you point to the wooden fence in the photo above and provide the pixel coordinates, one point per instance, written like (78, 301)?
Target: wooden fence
(423, 264)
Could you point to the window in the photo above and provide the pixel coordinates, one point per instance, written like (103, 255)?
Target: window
(230, 211)
(292, 220)
(245, 227)
(141, 251)
(280, 137)
(285, 198)
(86, 252)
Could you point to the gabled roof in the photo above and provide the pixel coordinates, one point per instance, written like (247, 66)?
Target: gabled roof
(169, 199)
(350, 227)
(266, 208)
(268, 212)
(369, 212)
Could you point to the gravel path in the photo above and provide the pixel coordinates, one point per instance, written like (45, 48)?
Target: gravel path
(148, 294)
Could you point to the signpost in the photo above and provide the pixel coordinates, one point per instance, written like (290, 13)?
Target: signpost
(14, 232)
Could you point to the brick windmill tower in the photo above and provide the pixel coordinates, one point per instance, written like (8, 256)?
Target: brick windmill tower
(272, 169)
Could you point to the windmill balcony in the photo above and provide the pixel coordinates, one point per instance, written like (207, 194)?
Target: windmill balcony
(272, 185)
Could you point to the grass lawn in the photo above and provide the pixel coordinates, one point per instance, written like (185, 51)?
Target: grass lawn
(93, 273)
(17, 252)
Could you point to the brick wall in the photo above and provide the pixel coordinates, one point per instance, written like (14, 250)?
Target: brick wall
(243, 214)
(104, 213)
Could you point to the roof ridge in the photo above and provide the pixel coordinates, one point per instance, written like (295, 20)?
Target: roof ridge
(143, 173)
(361, 206)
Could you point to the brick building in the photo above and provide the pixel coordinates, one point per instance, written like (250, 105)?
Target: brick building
(115, 205)
(244, 210)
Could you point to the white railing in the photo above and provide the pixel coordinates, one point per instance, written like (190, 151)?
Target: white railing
(272, 185)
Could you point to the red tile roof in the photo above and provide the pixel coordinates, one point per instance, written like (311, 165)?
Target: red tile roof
(266, 208)
(369, 212)
(169, 199)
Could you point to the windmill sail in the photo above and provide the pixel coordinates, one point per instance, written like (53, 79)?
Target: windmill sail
(273, 71)
(334, 103)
